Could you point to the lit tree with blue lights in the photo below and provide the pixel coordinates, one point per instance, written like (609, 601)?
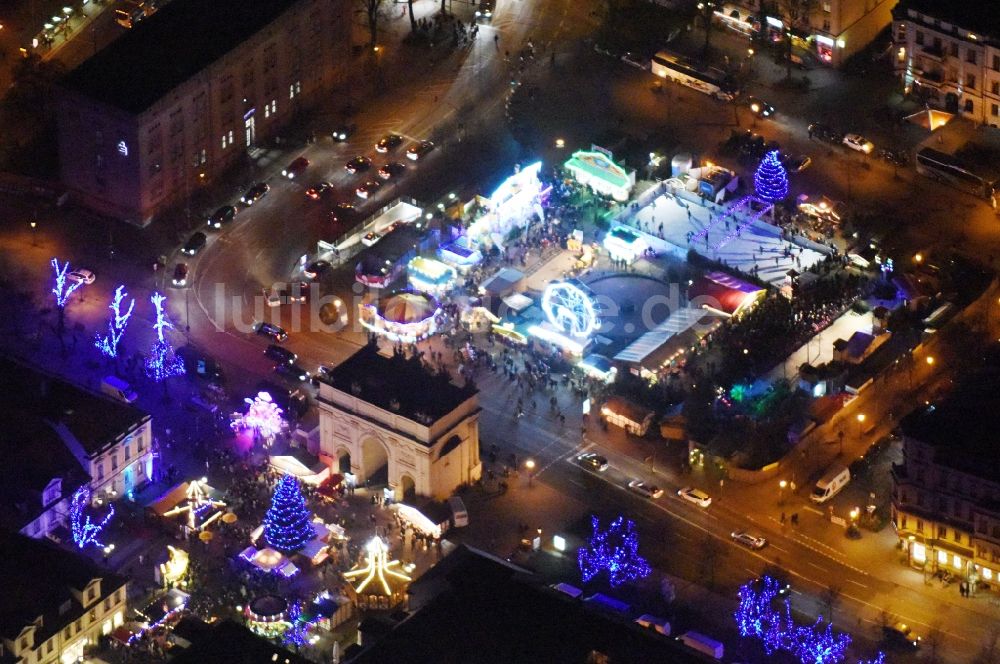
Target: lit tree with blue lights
(62, 289)
(288, 522)
(771, 180)
(297, 633)
(615, 551)
(85, 532)
(162, 362)
(108, 344)
(819, 644)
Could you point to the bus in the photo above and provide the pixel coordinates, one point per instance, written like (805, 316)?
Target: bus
(949, 169)
(131, 12)
(673, 67)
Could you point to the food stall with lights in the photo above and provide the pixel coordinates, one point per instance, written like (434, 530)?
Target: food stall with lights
(624, 244)
(596, 169)
(430, 276)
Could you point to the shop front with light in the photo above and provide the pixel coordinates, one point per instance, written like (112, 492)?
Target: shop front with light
(597, 170)
(430, 276)
(625, 244)
(460, 254)
(405, 316)
(512, 205)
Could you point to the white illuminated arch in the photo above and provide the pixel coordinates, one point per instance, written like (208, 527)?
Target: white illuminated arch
(569, 309)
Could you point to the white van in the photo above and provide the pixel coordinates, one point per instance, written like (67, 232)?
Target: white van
(459, 516)
(828, 486)
(661, 625)
(703, 644)
(117, 388)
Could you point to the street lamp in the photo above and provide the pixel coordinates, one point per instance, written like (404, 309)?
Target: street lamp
(34, 232)
(930, 359)
(530, 465)
(782, 485)
(861, 420)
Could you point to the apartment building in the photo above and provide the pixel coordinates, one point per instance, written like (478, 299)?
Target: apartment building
(948, 54)
(186, 94)
(946, 492)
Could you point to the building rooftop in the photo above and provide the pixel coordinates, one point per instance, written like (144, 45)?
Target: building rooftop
(227, 642)
(38, 582)
(474, 607)
(397, 384)
(168, 48)
(47, 403)
(967, 14)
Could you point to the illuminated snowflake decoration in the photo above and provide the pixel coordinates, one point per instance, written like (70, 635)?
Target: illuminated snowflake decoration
(85, 532)
(615, 551)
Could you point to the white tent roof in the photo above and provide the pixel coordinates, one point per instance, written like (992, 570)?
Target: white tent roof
(677, 322)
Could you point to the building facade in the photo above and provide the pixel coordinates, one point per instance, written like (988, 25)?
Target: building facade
(61, 437)
(188, 93)
(946, 493)
(833, 30)
(389, 421)
(948, 54)
(56, 603)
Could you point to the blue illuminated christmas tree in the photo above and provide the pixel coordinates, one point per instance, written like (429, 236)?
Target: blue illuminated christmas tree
(288, 522)
(162, 362)
(85, 531)
(615, 550)
(108, 344)
(771, 180)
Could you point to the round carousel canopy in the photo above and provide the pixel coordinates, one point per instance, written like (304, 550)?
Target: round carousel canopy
(405, 308)
(267, 608)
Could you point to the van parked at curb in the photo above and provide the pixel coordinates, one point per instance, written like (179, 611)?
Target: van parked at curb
(117, 388)
(828, 486)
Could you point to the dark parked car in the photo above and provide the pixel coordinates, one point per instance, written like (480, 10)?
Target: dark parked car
(342, 133)
(393, 169)
(420, 150)
(358, 165)
(222, 216)
(291, 401)
(291, 371)
(194, 244)
(388, 142)
(317, 190)
(296, 168)
(271, 330)
(825, 133)
(255, 193)
(280, 354)
(197, 363)
(316, 269)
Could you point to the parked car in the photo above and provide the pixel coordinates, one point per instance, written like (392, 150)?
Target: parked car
(393, 169)
(859, 143)
(317, 190)
(222, 216)
(824, 133)
(194, 244)
(342, 132)
(255, 193)
(650, 491)
(760, 107)
(297, 167)
(696, 496)
(290, 294)
(292, 371)
(280, 354)
(180, 275)
(796, 163)
(368, 188)
(370, 238)
(316, 269)
(594, 461)
(388, 142)
(343, 212)
(748, 540)
(635, 60)
(197, 363)
(420, 150)
(358, 165)
(271, 330)
(81, 276)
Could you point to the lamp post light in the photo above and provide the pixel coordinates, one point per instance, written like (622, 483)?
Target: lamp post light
(34, 232)
(530, 465)
(861, 420)
(782, 485)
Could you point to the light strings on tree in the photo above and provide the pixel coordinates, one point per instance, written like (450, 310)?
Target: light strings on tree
(162, 362)
(62, 289)
(108, 344)
(771, 180)
(615, 551)
(288, 522)
(85, 532)
(758, 617)
(297, 633)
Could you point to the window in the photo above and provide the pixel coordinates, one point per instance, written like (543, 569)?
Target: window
(970, 81)
(128, 452)
(942, 532)
(826, 6)
(954, 49)
(48, 646)
(100, 471)
(114, 463)
(202, 158)
(826, 25)
(958, 535)
(294, 89)
(274, 105)
(107, 604)
(995, 87)
(920, 525)
(996, 63)
(994, 110)
(90, 593)
(140, 443)
(970, 56)
(968, 106)
(920, 37)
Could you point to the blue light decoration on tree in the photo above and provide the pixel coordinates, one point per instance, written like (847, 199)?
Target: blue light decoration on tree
(162, 362)
(288, 522)
(62, 289)
(771, 180)
(108, 344)
(297, 633)
(615, 550)
(758, 617)
(85, 532)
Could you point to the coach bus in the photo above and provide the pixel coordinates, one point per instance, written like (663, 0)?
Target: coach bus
(949, 169)
(667, 65)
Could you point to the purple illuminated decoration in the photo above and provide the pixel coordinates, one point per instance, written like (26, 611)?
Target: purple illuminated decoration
(263, 417)
(63, 289)
(162, 362)
(614, 551)
(108, 344)
(85, 532)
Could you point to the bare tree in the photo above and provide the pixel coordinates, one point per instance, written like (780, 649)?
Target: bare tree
(710, 552)
(374, 11)
(413, 19)
(796, 13)
(706, 9)
(830, 596)
(932, 644)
